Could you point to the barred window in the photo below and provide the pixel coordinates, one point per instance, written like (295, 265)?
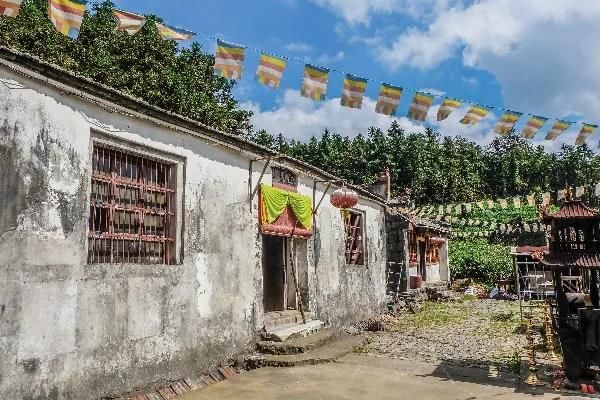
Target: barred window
(132, 202)
(354, 227)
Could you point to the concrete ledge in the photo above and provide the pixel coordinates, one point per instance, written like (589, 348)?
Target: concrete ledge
(325, 354)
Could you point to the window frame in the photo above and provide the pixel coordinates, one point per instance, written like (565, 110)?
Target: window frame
(177, 164)
(363, 225)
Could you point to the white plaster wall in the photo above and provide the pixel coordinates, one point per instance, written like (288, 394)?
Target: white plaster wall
(71, 329)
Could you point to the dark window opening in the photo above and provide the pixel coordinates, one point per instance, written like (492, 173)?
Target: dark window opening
(354, 227)
(132, 214)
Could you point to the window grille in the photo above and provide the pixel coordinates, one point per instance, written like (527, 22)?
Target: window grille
(132, 216)
(355, 250)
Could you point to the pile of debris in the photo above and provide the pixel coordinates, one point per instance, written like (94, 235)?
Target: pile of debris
(412, 300)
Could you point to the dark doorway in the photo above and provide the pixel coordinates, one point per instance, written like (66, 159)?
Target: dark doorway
(273, 260)
(422, 268)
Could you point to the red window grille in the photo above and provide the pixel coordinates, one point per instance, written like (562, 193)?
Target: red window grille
(412, 247)
(132, 216)
(355, 250)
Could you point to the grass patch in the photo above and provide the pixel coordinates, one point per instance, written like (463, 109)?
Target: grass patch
(433, 315)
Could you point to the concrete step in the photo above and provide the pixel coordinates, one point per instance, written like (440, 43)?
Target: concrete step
(276, 319)
(297, 345)
(343, 345)
(284, 332)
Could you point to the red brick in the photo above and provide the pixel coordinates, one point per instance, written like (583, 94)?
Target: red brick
(180, 387)
(195, 383)
(167, 393)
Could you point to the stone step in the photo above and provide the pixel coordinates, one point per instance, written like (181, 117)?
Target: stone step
(297, 345)
(276, 319)
(284, 332)
(343, 345)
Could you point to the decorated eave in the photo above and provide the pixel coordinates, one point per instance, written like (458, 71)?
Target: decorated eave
(574, 260)
(572, 210)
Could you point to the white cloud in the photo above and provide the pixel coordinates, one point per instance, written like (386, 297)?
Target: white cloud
(299, 47)
(541, 52)
(433, 91)
(360, 11)
(299, 118)
(326, 59)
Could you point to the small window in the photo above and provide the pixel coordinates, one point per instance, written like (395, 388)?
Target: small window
(355, 246)
(132, 208)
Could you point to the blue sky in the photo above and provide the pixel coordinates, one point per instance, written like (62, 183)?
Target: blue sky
(533, 56)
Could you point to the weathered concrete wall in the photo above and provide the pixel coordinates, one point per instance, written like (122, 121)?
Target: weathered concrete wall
(71, 330)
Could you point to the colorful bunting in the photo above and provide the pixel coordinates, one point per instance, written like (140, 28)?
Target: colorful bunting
(474, 115)
(353, 92)
(129, 22)
(389, 99)
(559, 127)
(507, 122)
(270, 70)
(171, 33)
(586, 130)
(446, 108)
(516, 202)
(419, 106)
(67, 15)
(229, 60)
(533, 126)
(546, 198)
(10, 8)
(314, 85)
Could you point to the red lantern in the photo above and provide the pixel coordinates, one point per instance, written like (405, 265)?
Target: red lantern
(344, 198)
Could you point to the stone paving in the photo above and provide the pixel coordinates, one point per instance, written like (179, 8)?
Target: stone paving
(474, 333)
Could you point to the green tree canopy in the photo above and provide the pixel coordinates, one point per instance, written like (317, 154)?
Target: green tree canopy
(143, 65)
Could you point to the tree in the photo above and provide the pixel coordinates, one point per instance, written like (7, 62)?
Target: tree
(143, 65)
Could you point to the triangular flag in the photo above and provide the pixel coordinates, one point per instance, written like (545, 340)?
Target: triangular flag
(353, 91)
(389, 99)
(474, 115)
(446, 108)
(270, 70)
(314, 85)
(172, 33)
(586, 130)
(419, 106)
(67, 15)
(507, 122)
(533, 126)
(229, 60)
(10, 8)
(127, 21)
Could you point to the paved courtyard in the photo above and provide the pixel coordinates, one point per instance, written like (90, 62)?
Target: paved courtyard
(362, 377)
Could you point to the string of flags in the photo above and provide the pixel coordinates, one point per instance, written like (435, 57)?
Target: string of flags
(516, 202)
(67, 16)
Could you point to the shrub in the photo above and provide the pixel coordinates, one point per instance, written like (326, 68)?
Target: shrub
(478, 260)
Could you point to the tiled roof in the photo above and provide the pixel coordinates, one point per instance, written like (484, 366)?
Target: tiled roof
(430, 224)
(530, 249)
(583, 260)
(573, 210)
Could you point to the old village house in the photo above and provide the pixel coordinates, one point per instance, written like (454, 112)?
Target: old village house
(138, 245)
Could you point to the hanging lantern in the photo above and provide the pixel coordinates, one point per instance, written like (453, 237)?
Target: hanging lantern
(344, 198)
